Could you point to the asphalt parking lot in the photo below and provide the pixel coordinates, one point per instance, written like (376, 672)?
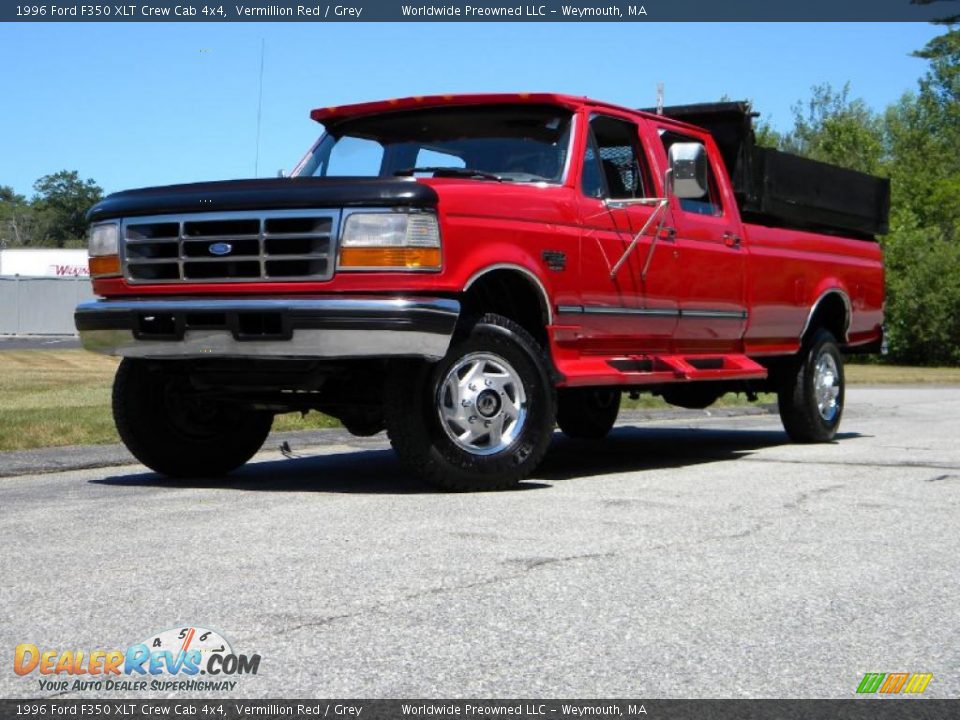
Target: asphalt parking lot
(698, 557)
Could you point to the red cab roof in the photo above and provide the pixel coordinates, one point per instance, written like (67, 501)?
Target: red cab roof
(328, 114)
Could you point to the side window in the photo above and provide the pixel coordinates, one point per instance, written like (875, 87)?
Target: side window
(592, 180)
(613, 165)
(709, 203)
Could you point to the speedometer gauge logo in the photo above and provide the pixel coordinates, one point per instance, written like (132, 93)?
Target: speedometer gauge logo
(183, 640)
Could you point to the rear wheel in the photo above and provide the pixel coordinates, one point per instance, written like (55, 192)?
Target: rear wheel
(363, 423)
(811, 393)
(588, 413)
(482, 417)
(172, 429)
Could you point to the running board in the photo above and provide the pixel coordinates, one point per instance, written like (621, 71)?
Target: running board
(657, 369)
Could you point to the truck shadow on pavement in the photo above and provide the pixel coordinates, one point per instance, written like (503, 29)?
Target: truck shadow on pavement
(374, 471)
(634, 449)
(377, 471)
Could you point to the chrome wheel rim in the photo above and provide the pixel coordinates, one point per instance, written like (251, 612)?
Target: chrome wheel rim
(482, 404)
(826, 387)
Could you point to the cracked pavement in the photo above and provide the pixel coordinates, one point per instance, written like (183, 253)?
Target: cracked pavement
(692, 556)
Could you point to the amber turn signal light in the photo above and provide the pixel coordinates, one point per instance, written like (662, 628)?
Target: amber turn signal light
(402, 258)
(104, 265)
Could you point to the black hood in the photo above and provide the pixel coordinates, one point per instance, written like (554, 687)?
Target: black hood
(305, 192)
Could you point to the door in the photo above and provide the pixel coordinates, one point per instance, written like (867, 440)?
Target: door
(711, 291)
(629, 294)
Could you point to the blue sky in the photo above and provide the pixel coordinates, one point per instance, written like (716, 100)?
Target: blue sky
(141, 104)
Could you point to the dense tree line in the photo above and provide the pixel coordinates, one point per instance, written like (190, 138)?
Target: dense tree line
(54, 217)
(915, 142)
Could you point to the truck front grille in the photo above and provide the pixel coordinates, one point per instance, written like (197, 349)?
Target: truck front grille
(230, 246)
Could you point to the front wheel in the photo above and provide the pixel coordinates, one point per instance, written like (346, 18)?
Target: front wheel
(172, 429)
(482, 417)
(811, 393)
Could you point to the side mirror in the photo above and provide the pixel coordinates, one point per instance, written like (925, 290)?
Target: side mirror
(688, 170)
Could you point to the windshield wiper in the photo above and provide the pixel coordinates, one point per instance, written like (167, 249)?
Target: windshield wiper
(451, 172)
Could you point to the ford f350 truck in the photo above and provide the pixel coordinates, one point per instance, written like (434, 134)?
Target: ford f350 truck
(468, 272)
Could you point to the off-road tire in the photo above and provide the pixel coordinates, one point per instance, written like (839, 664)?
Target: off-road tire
(588, 413)
(412, 415)
(148, 408)
(797, 392)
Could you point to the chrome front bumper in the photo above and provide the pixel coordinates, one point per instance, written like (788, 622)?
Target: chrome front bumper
(322, 327)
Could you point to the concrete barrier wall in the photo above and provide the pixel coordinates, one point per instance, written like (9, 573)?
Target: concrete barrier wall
(40, 306)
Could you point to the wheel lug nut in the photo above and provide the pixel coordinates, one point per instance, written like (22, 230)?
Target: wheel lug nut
(465, 403)
(472, 419)
(489, 383)
(472, 386)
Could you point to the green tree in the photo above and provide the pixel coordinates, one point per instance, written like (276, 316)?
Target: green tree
(62, 202)
(923, 248)
(7, 195)
(834, 128)
(942, 81)
(766, 135)
(18, 221)
(923, 295)
(925, 137)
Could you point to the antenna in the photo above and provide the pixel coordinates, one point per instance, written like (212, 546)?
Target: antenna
(659, 98)
(256, 161)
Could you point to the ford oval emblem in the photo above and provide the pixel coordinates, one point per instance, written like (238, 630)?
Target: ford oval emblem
(220, 248)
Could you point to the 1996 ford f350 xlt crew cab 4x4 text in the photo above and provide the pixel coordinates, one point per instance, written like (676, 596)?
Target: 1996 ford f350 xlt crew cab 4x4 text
(467, 272)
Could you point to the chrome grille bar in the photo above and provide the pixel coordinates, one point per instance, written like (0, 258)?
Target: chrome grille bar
(242, 246)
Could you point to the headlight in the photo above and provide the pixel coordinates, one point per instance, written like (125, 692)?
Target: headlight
(390, 241)
(104, 239)
(103, 248)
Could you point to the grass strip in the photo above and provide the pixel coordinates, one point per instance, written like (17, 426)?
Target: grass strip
(50, 398)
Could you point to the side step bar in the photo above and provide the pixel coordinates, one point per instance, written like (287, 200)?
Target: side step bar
(657, 369)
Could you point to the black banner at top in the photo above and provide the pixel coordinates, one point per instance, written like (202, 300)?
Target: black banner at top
(485, 11)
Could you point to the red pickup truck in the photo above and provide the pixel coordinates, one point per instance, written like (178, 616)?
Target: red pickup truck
(467, 272)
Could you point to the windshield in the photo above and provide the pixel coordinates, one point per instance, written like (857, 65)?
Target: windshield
(517, 143)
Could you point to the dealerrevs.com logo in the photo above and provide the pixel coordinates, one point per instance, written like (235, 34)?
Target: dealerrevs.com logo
(167, 661)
